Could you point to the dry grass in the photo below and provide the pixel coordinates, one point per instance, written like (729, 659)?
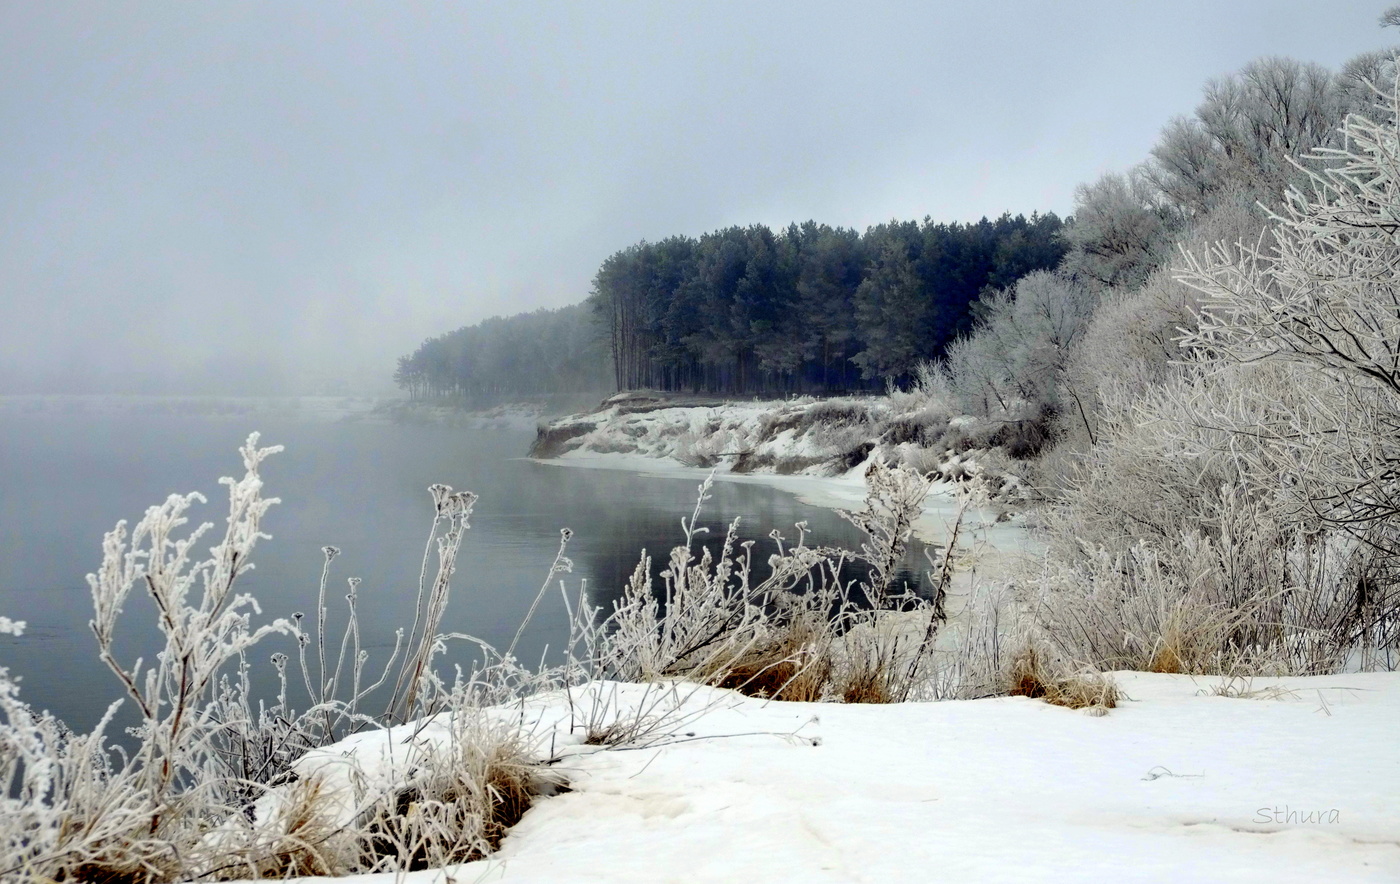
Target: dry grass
(868, 684)
(1241, 688)
(113, 871)
(455, 819)
(299, 849)
(664, 710)
(876, 656)
(770, 673)
(792, 663)
(1032, 674)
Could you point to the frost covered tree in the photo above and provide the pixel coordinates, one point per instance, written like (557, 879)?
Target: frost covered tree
(1250, 126)
(1240, 506)
(1122, 231)
(1010, 366)
(1131, 344)
(1324, 297)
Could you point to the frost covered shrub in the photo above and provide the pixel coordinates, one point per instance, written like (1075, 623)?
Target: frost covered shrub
(1323, 299)
(1182, 547)
(924, 461)
(56, 782)
(783, 636)
(1262, 603)
(835, 413)
(1024, 439)
(841, 436)
(915, 430)
(1130, 344)
(85, 814)
(1009, 367)
(710, 612)
(930, 396)
(1269, 498)
(851, 457)
(696, 450)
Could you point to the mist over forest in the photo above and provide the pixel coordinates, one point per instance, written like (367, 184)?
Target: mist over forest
(811, 308)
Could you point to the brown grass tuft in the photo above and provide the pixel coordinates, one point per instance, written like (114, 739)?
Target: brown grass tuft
(1167, 659)
(870, 684)
(299, 851)
(779, 671)
(1031, 675)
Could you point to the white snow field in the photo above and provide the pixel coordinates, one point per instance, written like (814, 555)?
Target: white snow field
(1297, 781)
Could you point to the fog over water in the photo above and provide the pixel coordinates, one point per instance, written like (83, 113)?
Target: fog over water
(252, 197)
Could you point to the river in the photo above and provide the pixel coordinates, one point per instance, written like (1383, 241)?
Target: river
(69, 469)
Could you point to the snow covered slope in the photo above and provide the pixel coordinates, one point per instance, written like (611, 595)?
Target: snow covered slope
(1298, 781)
(815, 437)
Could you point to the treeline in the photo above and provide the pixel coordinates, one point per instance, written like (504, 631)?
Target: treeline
(547, 351)
(810, 308)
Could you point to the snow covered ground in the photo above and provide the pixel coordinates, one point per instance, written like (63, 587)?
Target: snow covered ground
(1297, 781)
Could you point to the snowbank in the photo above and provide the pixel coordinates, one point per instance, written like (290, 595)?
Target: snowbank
(1294, 782)
(819, 437)
(815, 449)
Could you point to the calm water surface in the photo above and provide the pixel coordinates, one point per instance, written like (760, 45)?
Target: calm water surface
(65, 478)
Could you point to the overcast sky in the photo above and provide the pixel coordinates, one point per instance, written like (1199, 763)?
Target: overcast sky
(242, 197)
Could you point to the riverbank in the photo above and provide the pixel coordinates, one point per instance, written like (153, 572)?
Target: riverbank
(826, 438)
(817, 450)
(992, 550)
(989, 524)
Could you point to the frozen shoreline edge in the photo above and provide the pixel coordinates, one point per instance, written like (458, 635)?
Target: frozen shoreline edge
(1004, 540)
